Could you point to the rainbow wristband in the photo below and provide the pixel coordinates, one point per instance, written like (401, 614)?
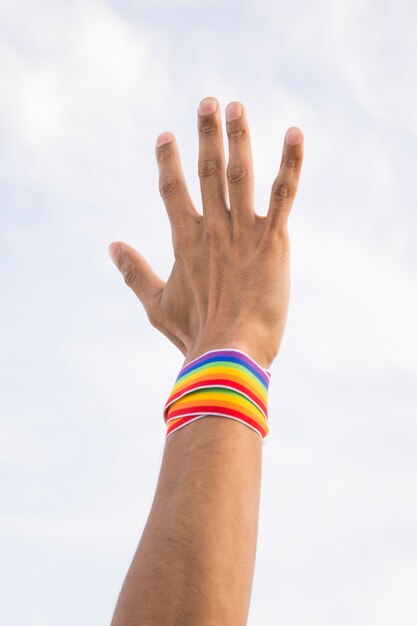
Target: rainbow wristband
(224, 383)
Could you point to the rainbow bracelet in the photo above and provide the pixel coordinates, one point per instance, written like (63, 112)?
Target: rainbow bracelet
(224, 383)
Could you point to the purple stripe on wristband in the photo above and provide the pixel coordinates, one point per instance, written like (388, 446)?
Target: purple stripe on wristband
(263, 373)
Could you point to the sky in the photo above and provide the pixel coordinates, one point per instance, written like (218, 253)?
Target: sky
(85, 88)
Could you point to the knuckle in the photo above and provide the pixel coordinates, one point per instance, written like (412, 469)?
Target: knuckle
(237, 135)
(179, 244)
(277, 237)
(236, 175)
(129, 272)
(290, 161)
(283, 236)
(211, 232)
(211, 236)
(282, 190)
(167, 186)
(207, 127)
(165, 153)
(207, 168)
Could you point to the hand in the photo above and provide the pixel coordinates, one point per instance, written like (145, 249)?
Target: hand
(230, 283)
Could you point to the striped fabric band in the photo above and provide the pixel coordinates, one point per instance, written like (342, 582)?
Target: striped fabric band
(225, 383)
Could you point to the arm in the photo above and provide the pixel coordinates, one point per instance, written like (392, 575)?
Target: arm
(195, 560)
(229, 287)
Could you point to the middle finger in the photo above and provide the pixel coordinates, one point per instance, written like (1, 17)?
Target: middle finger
(211, 161)
(240, 167)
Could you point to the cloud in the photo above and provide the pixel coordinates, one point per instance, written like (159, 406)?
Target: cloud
(76, 95)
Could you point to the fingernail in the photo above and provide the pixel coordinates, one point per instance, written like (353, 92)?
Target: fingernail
(164, 138)
(233, 111)
(206, 106)
(114, 251)
(293, 136)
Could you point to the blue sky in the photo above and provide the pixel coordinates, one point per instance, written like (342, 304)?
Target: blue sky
(85, 88)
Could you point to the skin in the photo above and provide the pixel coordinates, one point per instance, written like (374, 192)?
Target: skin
(229, 287)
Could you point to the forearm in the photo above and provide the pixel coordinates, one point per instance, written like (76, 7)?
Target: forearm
(195, 561)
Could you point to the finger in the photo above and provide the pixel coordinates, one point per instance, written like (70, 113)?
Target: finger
(239, 168)
(137, 273)
(285, 185)
(141, 278)
(211, 161)
(172, 185)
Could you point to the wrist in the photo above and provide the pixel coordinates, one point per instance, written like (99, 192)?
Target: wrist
(225, 382)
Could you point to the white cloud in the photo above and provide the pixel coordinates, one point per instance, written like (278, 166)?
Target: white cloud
(362, 299)
(77, 94)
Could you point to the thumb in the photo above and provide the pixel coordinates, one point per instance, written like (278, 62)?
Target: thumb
(137, 272)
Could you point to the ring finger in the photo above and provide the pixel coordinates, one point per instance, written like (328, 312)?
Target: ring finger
(240, 168)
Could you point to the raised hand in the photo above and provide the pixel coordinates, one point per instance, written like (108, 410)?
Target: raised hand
(230, 282)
